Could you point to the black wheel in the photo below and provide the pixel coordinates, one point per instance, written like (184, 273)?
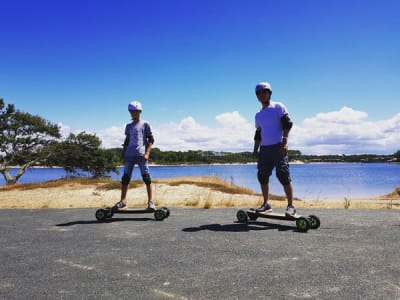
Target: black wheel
(252, 216)
(314, 221)
(303, 224)
(160, 214)
(242, 217)
(109, 214)
(166, 211)
(101, 214)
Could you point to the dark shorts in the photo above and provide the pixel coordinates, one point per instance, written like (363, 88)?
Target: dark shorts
(269, 159)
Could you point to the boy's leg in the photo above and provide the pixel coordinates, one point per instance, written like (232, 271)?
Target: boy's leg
(126, 178)
(144, 169)
(124, 191)
(149, 192)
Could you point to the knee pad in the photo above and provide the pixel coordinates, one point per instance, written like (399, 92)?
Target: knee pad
(284, 179)
(262, 177)
(125, 179)
(146, 179)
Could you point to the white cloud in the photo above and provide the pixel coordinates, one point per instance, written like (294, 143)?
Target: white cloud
(233, 134)
(346, 131)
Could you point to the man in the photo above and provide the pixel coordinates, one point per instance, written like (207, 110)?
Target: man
(270, 144)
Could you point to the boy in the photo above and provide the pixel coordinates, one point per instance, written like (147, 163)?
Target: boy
(272, 130)
(136, 150)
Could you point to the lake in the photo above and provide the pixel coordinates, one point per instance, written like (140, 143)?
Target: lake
(321, 181)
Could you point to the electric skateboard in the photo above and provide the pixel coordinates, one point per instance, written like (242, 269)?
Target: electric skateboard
(107, 213)
(302, 223)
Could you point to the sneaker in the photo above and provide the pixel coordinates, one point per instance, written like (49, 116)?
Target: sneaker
(151, 205)
(264, 208)
(118, 206)
(290, 210)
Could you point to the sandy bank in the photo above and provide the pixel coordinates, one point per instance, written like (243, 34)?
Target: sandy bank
(75, 195)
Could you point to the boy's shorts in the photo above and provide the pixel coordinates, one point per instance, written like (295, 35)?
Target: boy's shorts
(130, 162)
(269, 158)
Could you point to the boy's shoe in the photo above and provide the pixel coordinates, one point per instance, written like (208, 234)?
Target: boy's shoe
(118, 205)
(290, 210)
(151, 206)
(264, 208)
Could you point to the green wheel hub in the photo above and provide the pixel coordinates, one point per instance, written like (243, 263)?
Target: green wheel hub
(242, 216)
(314, 221)
(303, 224)
(101, 214)
(159, 215)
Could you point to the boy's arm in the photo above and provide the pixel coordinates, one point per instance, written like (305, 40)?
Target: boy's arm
(124, 146)
(150, 142)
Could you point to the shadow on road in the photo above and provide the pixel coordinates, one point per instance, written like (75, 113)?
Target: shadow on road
(241, 227)
(100, 222)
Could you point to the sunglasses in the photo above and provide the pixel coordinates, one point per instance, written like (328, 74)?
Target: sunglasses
(261, 92)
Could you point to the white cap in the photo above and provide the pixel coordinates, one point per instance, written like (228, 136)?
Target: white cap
(135, 105)
(263, 86)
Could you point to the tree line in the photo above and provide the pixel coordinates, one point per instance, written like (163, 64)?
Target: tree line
(28, 140)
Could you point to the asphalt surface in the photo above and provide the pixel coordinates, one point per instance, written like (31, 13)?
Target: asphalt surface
(198, 254)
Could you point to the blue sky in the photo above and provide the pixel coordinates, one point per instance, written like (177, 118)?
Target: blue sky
(194, 65)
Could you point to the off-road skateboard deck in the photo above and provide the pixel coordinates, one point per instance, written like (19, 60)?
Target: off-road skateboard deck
(302, 223)
(107, 213)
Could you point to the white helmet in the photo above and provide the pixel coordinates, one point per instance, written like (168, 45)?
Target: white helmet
(135, 105)
(263, 86)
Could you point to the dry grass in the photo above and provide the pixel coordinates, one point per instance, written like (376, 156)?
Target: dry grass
(393, 195)
(213, 183)
(72, 183)
(202, 192)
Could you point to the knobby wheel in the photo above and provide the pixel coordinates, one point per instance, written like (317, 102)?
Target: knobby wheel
(101, 214)
(167, 211)
(252, 217)
(314, 221)
(303, 224)
(160, 214)
(242, 216)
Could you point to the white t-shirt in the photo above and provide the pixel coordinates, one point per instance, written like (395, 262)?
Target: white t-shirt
(269, 121)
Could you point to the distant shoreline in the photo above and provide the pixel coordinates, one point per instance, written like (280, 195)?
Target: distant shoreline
(295, 162)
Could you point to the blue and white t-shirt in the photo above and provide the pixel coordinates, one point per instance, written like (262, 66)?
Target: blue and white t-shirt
(269, 121)
(137, 134)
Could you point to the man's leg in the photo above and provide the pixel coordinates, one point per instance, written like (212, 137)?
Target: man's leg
(265, 192)
(264, 167)
(289, 193)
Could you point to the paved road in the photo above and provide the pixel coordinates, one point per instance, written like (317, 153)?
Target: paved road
(198, 254)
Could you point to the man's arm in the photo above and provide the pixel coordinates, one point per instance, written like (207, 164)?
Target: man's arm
(257, 141)
(286, 126)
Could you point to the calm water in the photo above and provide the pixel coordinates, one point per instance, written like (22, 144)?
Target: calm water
(311, 181)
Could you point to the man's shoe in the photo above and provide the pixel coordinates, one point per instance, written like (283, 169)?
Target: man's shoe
(118, 206)
(290, 210)
(151, 206)
(264, 208)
